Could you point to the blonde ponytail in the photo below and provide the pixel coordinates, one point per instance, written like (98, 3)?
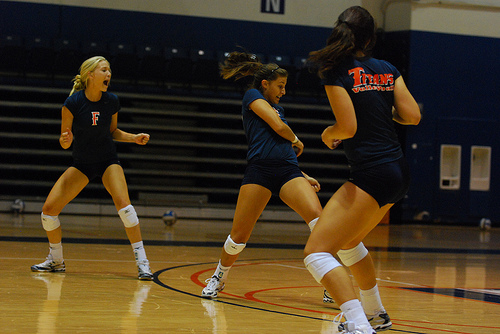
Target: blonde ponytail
(77, 84)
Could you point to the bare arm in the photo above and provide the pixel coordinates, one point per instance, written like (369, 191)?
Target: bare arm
(345, 116)
(119, 135)
(264, 110)
(406, 108)
(66, 137)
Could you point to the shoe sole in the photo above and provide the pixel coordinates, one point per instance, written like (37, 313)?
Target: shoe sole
(40, 270)
(383, 327)
(203, 295)
(208, 297)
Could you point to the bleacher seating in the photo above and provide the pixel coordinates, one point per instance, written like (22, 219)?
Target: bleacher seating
(12, 55)
(197, 145)
(153, 65)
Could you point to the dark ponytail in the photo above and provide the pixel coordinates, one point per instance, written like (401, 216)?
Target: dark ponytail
(238, 65)
(354, 31)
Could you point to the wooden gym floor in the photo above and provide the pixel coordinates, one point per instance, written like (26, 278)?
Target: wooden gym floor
(433, 279)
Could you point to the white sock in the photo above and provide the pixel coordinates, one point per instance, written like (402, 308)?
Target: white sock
(370, 299)
(57, 252)
(139, 251)
(221, 272)
(353, 311)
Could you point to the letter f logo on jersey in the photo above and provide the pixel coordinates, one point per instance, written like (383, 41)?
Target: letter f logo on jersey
(95, 117)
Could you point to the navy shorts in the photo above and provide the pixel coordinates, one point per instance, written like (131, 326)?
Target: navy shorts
(271, 174)
(387, 183)
(97, 169)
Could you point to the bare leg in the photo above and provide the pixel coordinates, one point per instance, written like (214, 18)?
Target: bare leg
(252, 201)
(67, 187)
(115, 183)
(301, 198)
(348, 215)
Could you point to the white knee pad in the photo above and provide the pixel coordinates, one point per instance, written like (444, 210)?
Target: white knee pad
(319, 264)
(352, 256)
(312, 223)
(231, 247)
(50, 223)
(128, 216)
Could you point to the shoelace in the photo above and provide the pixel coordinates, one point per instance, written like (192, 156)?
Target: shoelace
(338, 318)
(143, 265)
(212, 282)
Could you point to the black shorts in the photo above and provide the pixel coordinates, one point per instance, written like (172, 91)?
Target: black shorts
(271, 174)
(387, 183)
(96, 169)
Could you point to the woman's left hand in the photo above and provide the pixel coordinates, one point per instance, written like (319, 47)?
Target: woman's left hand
(314, 183)
(141, 138)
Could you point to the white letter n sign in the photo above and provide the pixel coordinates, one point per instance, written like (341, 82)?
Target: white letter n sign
(272, 6)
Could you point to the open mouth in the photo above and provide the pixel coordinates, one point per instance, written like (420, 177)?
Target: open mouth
(106, 83)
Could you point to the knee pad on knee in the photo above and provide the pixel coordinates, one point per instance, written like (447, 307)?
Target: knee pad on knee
(231, 247)
(352, 256)
(50, 223)
(128, 216)
(312, 223)
(320, 264)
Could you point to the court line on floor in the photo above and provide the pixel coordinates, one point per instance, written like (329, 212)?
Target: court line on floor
(250, 245)
(163, 284)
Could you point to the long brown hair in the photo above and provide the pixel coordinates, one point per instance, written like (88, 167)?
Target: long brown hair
(238, 65)
(354, 31)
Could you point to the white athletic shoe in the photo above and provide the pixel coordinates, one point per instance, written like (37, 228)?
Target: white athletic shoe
(349, 327)
(49, 265)
(380, 321)
(214, 285)
(144, 272)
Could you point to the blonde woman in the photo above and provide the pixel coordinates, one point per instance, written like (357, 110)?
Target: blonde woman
(89, 122)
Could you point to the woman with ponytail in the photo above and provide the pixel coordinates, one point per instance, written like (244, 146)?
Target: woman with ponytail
(367, 96)
(272, 162)
(89, 122)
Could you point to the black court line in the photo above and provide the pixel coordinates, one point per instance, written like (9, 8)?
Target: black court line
(110, 241)
(460, 293)
(159, 282)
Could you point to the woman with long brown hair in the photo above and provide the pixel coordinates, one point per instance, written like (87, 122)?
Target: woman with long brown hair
(366, 96)
(272, 162)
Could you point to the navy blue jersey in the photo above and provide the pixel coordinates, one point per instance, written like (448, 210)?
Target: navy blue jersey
(92, 139)
(263, 142)
(370, 84)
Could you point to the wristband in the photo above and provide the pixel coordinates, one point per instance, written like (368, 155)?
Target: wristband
(296, 140)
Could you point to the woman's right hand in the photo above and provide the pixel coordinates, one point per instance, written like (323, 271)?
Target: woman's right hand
(66, 138)
(332, 143)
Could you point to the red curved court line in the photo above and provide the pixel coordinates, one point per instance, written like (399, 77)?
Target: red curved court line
(250, 297)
